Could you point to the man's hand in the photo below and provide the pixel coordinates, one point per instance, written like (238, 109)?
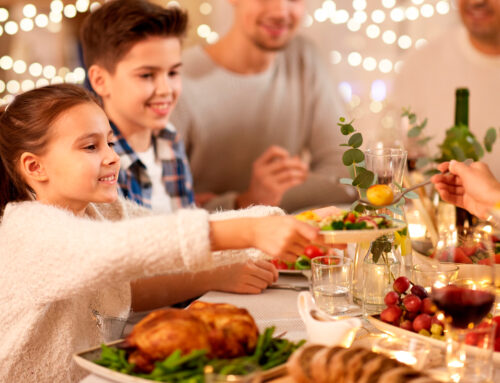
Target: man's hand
(273, 173)
(473, 187)
(201, 199)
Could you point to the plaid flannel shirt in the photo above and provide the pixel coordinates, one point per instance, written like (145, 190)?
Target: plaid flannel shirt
(134, 181)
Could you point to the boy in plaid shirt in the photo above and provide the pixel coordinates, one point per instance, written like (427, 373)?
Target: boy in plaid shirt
(132, 50)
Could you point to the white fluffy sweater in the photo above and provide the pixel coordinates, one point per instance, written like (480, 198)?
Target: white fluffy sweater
(56, 268)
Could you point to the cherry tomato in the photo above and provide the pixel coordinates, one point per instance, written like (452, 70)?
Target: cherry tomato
(350, 217)
(280, 265)
(312, 251)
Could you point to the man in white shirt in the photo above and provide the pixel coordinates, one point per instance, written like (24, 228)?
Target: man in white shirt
(255, 106)
(464, 57)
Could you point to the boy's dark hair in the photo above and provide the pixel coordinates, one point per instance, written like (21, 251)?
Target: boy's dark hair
(109, 33)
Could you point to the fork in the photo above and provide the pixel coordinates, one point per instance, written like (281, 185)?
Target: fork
(398, 197)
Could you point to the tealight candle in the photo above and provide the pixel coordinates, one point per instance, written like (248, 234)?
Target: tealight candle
(410, 351)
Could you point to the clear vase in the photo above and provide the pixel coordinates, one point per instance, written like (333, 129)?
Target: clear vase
(374, 275)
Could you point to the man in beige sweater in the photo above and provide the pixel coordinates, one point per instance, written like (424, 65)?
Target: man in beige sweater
(255, 105)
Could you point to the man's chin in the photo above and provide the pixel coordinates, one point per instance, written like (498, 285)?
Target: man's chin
(271, 46)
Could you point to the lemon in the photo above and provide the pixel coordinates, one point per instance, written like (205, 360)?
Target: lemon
(308, 215)
(380, 195)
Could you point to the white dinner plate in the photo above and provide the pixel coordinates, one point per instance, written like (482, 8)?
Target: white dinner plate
(353, 236)
(305, 273)
(399, 332)
(85, 359)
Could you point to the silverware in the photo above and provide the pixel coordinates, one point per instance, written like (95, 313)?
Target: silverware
(289, 286)
(398, 197)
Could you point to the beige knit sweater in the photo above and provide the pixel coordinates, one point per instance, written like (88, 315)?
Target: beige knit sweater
(56, 268)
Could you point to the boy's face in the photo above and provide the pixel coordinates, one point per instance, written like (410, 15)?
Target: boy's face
(269, 24)
(79, 162)
(145, 86)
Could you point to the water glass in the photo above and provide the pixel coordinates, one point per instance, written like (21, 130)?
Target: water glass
(427, 275)
(469, 353)
(331, 278)
(388, 164)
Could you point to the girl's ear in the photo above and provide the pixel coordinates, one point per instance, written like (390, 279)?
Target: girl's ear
(99, 79)
(32, 168)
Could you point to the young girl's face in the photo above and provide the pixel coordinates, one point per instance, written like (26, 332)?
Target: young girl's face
(80, 163)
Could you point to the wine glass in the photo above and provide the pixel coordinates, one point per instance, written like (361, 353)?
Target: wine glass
(466, 301)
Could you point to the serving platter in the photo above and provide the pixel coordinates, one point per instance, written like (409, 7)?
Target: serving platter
(85, 359)
(399, 332)
(355, 236)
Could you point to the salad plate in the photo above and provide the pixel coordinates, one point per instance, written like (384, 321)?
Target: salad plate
(399, 332)
(356, 236)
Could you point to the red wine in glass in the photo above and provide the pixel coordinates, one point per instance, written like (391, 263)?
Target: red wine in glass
(463, 305)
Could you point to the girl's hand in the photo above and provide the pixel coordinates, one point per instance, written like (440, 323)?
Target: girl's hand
(251, 277)
(282, 237)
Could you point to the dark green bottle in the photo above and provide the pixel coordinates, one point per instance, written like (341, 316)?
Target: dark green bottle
(463, 217)
(462, 107)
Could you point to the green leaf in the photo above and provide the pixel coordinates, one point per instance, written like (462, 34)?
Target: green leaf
(400, 187)
(356, 140)
(423, 124)
(360, 208)
(411, 195)
(412, 117)
(342, 119)
(424, 141)
(489, 139)
(345, 145)
(352, 156)
(395, 210)
(415, 131)
(364, 179)
(423, 161)
(346, 129)
(346, 181)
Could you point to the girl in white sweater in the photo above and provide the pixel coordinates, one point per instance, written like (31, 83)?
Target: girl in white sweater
(69, 248)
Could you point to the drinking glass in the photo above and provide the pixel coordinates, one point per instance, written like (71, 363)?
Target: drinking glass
(466, 301)
(331, 283)
(388, 164)
(427, 275)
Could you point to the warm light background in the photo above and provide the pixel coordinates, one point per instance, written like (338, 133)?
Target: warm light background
(364, 43)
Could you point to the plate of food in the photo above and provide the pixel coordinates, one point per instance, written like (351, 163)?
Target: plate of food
(174, 345)
(351, 226)
(302, 265)
(400, 332)
(410, 312)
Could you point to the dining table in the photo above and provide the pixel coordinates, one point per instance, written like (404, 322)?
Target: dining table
(277, 306)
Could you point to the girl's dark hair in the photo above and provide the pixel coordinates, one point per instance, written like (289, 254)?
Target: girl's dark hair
(25, 127)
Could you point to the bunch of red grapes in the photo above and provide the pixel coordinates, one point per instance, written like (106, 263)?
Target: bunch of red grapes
(411, 310)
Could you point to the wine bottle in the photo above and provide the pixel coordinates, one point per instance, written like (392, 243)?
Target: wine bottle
(462, 107)
(463, 217)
